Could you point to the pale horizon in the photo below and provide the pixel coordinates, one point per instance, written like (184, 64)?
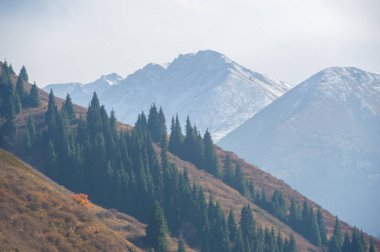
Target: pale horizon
(78, 41)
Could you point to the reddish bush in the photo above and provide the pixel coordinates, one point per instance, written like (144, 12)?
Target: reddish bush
(81, 198)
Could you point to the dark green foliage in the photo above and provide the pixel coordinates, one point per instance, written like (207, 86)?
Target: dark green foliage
(156, 124)
(20, 89)
(176, 137)
(322, 227)
(232, 226)
(156, 231)
(346, 247)
(335, 243)
(68, 108)
(181, 244)
(30, 135)
(290, 246)
(278, 205)
(33, 99)
(357, 241)
(372, 246)
(211, 160)
(248, 229)
(315, 236)
(8, 133)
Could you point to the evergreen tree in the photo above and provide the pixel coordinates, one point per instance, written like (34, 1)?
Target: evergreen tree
(248, 228)
(20, 89)
(291, 245)
(154, 124)
(211, 160)
(238, 243)
(322, 227)
(232, 226)
(239, 180)
(346, 243)
(335, 243)
(176, 137)
(372, 246)
(156, 231)
(69, 108)
(34, 98)
(30, 134)
(228, 171)
(181, 244)
(17, 103)
(294, 215)
(278, 205)
(315, 235)
(357, 243)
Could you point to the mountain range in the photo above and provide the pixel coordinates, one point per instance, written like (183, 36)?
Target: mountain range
(322, 137)
(216, 92)
(270, 199)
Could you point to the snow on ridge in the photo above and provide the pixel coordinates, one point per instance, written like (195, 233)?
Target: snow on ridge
(216, 92)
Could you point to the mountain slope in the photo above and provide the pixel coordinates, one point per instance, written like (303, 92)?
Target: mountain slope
(213, 90)
(322, 138)
(227, 197)
(38, 215)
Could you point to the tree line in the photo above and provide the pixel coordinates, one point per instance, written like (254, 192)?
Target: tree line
(120, 169)
(12, 100)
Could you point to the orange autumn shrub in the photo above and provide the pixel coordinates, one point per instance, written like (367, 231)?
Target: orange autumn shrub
(82, 199)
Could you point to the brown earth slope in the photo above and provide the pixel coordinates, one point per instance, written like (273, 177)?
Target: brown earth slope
(38, 215)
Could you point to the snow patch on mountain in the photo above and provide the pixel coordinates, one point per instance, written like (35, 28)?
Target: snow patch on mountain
(322, 138)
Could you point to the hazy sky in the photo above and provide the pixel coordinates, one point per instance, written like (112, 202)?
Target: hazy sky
(77, 40)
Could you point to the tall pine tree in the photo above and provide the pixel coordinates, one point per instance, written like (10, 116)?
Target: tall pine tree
(156, 231)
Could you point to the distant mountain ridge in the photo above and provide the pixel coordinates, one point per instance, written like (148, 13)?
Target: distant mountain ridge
(82, 93)
(322, 137)
(216, 92)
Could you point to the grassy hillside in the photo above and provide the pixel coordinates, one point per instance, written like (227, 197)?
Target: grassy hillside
(39, 215)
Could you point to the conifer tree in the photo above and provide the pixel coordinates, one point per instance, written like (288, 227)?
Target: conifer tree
(154, 124)
(291, 246)
(176, 137)
(335, 243)
(322, 227)
(238, 243)
(211, 160)
(315, 235)
(68, 107)
(372, 246)
(30, 134)
(17, 103)
(156, 231)
(294, 215)
(346, 247)
(248, 228)
(181, 244)
(239, 180)
(20, 89)
(33, 98)
(232, 226)
(278, 205)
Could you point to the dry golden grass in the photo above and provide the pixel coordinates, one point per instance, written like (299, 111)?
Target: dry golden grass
(38, 215)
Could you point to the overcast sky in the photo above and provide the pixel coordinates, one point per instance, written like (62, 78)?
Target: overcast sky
(77, 40)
